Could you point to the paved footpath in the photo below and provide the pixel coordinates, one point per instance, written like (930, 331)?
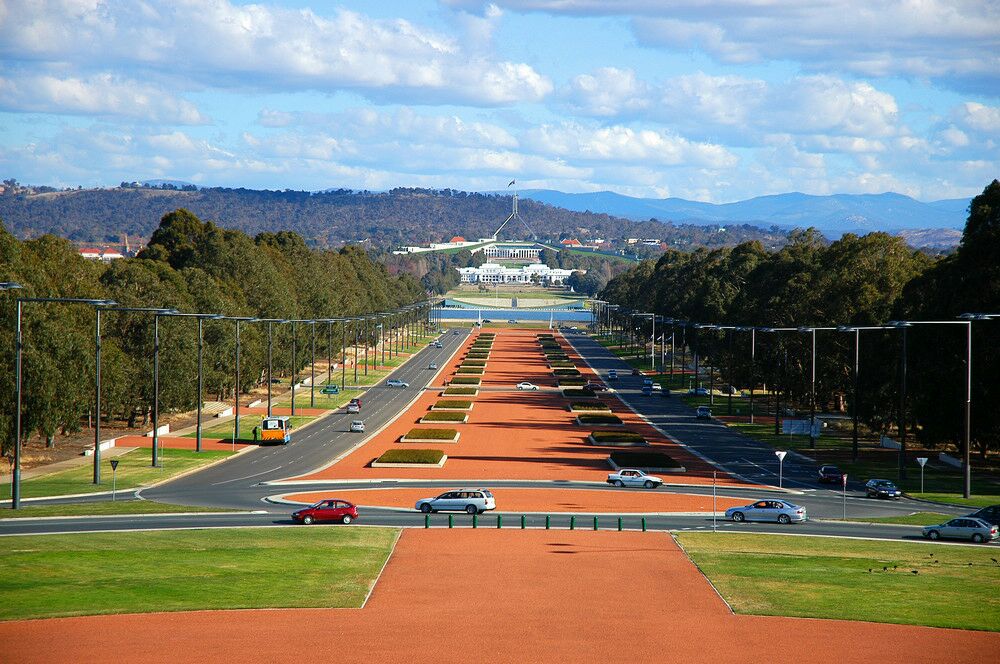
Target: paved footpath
(451, 596)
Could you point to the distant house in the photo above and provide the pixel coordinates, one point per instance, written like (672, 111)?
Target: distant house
(458, 239)
(91, 254)
(571, 243)
(105, 255)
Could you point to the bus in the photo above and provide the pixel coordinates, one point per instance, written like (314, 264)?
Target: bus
(276, 429)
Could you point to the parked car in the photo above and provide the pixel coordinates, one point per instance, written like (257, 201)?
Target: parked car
(882, 489)
(965, 528)
(326, 510)
(393, 382)
(781, 511)
(512, 322)
(358, 426)
(613, 374)
(657, 387)
(699, 391)
(989, 514)
(432, 365)
(633, 477)
(828, 474)
(473, 501)
(703, 413)
(527, 386)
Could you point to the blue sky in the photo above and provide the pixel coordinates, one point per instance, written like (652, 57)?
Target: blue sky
(714, 100)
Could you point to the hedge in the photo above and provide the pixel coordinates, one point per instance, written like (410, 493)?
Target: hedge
(644, 460)
(477, 355)
(572, 382)
(397, 455)
(466, 380)
(460, 392)
(566, 372)
(444, 416)
(574, 393)
(432, 434)
(561, 364)
(473, 363)
(452, 403)
(470, 370)
(617, 437)
(589, 405)
(590, 418)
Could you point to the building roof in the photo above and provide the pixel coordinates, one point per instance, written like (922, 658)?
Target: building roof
(457, 239)
(571, 242)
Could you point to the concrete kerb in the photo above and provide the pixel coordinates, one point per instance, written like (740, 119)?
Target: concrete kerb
(127, 516)
(405, 408)
(671, 438)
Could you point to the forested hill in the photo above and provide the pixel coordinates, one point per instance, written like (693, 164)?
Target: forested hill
(393, 218)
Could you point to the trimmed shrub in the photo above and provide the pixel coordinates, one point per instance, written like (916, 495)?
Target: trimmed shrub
(617, 437)
(432, 434)
(466, 380)
(561, 364)
(592, 418)
(474, 363)
(644, 460)
(457, 404)
(444, 416)
(470, 370)
(589, 405)
(397, 455)
(574, 393)
(477, 355)
(460, 392)
(572, 382)
(566, 372)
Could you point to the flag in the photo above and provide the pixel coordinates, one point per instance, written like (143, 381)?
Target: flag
(511, 182)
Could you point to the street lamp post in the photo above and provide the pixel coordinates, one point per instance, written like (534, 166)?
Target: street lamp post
(855, 398)
(236, 390)
(201, 343)
(270, 348)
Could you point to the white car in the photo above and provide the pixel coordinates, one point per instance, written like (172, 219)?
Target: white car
(527, 386)
(358, 426)
(353, 408)
(392, 382)
(432, 365)
(634, 477)
(473, 501)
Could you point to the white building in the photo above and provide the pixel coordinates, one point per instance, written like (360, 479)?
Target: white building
(493, 273)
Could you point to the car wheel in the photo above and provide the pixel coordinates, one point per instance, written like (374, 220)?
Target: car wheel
(619, 483)
(649, 484)
(425, 508)
(307, 519)
(977, 538)
(738, 516)
(784, 519)
(933, 535)
(472, 509)
(347, 519)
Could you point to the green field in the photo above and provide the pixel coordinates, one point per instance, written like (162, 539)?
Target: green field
(822, 577)
(134, 470)
(66, 575)
(103, 508)
(915, 519)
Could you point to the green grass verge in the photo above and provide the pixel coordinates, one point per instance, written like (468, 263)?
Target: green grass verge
(444, 416)
(103, 508)
(915, 519)
(465, 380)
(67, 575)
(821, 577)
(572, 382)
(432, 434)
(410, 456)
(224, 431)
(470, 370)
(134, 470)
(589, 406)
(453, 404)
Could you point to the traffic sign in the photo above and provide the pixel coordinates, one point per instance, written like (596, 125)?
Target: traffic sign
(114, 464)
(781, 455)
(843, 480)
(921, 461)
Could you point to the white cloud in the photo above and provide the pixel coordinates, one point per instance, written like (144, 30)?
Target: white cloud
(607, 92)
(979, 117)
(100, 94)
(217, 43)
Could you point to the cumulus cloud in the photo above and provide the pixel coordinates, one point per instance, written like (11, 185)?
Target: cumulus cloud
(220, 44)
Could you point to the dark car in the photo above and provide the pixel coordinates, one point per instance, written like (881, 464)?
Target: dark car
(595, 387)
(882, 489)
(636, 372)
(829, 474)
(327, 510)
(990, 515)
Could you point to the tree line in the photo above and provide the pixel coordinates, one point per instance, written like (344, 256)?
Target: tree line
(188, 265)
(855, 281)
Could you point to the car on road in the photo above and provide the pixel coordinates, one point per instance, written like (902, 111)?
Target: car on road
(354, 406)
(613, 374)
(327, 510)
(828, 474)
(527, 386)
(964, 528)
(703, 413)
(594, 386)
(699, 391)
(989, 514)
(647, 390)
(780, 511)
(432, 365)
(437, 344)
(512, 322)
(473, 501)
(657, 387)
(393, 382)
(456, 332)
(636, 372)
(882, 489)
(358, 426)
(647, 381)
(633, 477)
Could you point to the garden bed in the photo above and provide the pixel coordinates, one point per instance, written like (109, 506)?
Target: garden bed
(578, 393)
(412, 458)
(566, 372)
(561, 364)
(589, 407)
(617, 439)
(452, 404)
(652, 462)
(460, 392)
(478, 371)
(430, 436)
(572, 382)
(466, 380)
(444, 416)
(473, 363)
(599, 419)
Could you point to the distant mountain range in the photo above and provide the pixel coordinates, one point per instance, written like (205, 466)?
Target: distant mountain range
(833, 215)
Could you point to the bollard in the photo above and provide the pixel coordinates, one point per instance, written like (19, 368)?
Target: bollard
(548, 521)
(619, 524)
(451, 520)
(475, 520)
(572, 522)
(643, 524)
(499, 521)
(427, 521)
(595, 522)
(523, 521)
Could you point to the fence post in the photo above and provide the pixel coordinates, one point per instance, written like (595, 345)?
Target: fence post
(643, 524)
(427, 521)
(548, 521)
(572, 522)
(499, 521)
(475, 520)
(451, 520)
(523, 520)
(619, 524)
(595, 522)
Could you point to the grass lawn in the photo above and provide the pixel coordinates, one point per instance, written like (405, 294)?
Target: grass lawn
(103, 508)
(821, 577)
(54, 575)
(133, 471)
(247, 423)
(915, 519)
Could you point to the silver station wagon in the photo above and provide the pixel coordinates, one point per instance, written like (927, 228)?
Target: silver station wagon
(473, 501)
(781, 511)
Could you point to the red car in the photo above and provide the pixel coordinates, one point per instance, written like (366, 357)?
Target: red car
(327, 510)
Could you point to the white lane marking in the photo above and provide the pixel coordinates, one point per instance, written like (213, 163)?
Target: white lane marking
(237, 479)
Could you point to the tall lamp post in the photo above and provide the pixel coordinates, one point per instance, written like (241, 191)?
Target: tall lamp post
(270, 349)
(18, 351)
(236, 390)
(201, 318)
(812, 389)
(855, 398)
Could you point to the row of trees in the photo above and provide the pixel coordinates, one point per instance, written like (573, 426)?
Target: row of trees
(859, 281)
(188, 265)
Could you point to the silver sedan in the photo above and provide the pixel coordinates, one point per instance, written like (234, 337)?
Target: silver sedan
(966, 528)
(780, 511)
